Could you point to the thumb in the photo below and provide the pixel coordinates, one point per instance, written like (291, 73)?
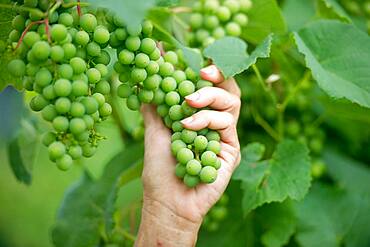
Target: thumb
(212, 74)
(151, 119)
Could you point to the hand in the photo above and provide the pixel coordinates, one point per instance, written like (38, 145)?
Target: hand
(168, 203)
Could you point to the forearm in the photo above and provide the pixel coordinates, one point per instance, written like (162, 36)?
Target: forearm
(161, 227)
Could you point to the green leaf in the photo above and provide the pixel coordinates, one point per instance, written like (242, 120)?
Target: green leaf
(298, 13)
(19, 169)
(167, 3)
(264, 18)
(279, 223)
(285, 175)
(339, 56)
(230, 55)
(331, 9)
(89, 205)
(131, 11)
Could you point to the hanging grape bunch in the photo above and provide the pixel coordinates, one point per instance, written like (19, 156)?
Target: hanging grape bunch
(216, 214)
(149, 77)
(61, 58)
(214, 19)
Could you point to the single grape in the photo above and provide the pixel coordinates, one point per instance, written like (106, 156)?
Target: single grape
(105, 110)
(18, 23)
(82, 38)
(200, 143)
(61, 124)
(49, 113)
(168, 84)
(147, 28)
(208, 174)
(91, 105)
(101, 35)
(17, 68)
(65, 19)
(233, 29)
(186, 109)
(93, 49)
(193, 167)
(163, 110)
(124, 91)
(148, 46)
(191, 181)
(65, 71)
(146, 96)
(175, 113)
(48, 138)
(57, 53)
(155, 55)
(172, 98)
(176, 146)
(214, 146)
(211, 22)
(88, 22)
(133, 103)
(78, 65)
(142, 60)
(166, 69)
(88, 150)
(31, 38)
(152, 68)
(65, 162)
(38, 103)
(43, 77)
(218, 213)
(184, 155)
(186, 88)
(79, 88)
(171, 57)
(58, 32)
(133, 43)
(232, 5)
(159, 96)
(93, 75)
(223, 13)
(63, 105)
(196, 20)
(75, 152)
(77, 109)
(102, 87)
(56, 150)
(218, 33)
(177, 126)
(41, 50)
(77, 126)
(180, 170)
(138, 75)
(62, 87)
(126, 57)
(241, 19)
(213, 135)
(208, 158)
(48, 92)
(188, 136)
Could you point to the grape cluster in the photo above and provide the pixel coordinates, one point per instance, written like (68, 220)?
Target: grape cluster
(216, 215)
(213, 19)
(61, 58)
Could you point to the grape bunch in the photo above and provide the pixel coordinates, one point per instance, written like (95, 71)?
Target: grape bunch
(213, 19)
(61, 58)
(216, 214)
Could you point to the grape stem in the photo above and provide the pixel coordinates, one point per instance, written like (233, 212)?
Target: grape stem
(265, 125)
(79, 8)
(73, 4)
(28, 28)
(55, 6)
(263, 83)
(127, 235)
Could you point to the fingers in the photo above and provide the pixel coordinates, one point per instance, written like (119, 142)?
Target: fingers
(212, 74)
(224, 122)
(216, 98)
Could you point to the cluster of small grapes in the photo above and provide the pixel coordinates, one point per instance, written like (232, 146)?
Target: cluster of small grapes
(216, 215)
(61, 59)
(213, 19)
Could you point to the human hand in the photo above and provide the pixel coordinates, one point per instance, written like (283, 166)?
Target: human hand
(167, 201)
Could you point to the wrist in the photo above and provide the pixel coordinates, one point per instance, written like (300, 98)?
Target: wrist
(161, 226)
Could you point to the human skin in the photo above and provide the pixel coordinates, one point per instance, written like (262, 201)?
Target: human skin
(172, 213)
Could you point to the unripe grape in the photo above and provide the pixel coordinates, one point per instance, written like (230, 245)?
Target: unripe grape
(180, 170)
(191, 181)
(148, 46)
(166, 69)
(232, 5)
(168, 84)
(193, 167)
(102, 69)
(48, 138)
(179, 76)
(17, 67)
(147, 28)
(77, 109)
(38, 103)
(56, 150)
(133, 43)
(88, 22)
(99, 98)
(62, 87)
(63, 105)
(105, 110)
(159, 96)
(61, 124)
(93, 49)
(102, 87)
(89, 121)
(138, 75)
(188, 136)
(196, 20)
(213, 135)
(48, 92)
(171, 57)
(49, 113)
(172, 98)
(214, 146)
(155, 55)
(78, 65)
(186, 88)
(208, 174)
(18, 23)
(82, 38)
(134, 29)
(200, 143)
(124, 91)
(41, 50)
(223, 13)
(163, 110)
(101, 35)
(241, 19)
(65, 162)
(176, 136)
(218, 33)
(211, 22)
(142, 60)
(65, 71)
(65, 19)
(88, 150)
(93, 75)
(77, 126)
(69, 51)
(91, 105)
(233, 29)
(175, 113)
(146, 96)
(245, 5)
(58, 32)
(79, 88)
(126, 57)
(57, 53)
(208, 158)
(177, 127)
(75, 152)
(184, 155)
(133, 103)
(120, 34)
(152, 68)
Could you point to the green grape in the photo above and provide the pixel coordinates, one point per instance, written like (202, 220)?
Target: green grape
(217, 165)
(159, 96)
(133, 43)
(93, 75)
(88, 22)
(14, 36)
(82, 38)
(77, 126)
(121, 34)
(65, 19)
(103, 69)
(214, 146)
(89, 121)
(186, 88)
(171, 57)
(148, 46)
(180, 170)
(245, 5)
(201, 35)
(79, 88)
(48, 138)
(102, 87)
(75, 152)
(152, 68)
(57, 53)
(83, 137)
(218, 213)
(166, 69)
(176, 146)
(62, 87)
(103, 58)
(168, 121)
(177, 126)
(32, 69)
(142, 60)
(193, 167)
(223, 13)
(146, 96)
(91, 105)
(56, 150)
(69, 51)
(200, 143)
(17, 68)
(190, 74)
(49, 113)
(31, 38)
(316, 145)
(18, 23)
(232, 5)
(168, 84)
(41, 50)
(138, 75)
(78, 65)
(187, 110)
(124, 91)
(147, 28)
(63, 105)
(99, 98)
(65, 71)
(152, 82)
(208, 41)
(38, 103)
(43, 77)
(126, 57)
(233, 29)
(175, 113)
(211, 22)
(208, 174)
(65, 162)
(179, 76)
(172, 98)
(93, 49)
(163, 110)
(134, 29)
(191, 181)
(218, 33)
(208, 158)
(61, 124)
(213, 135)
(48, 92)
(58, 32)
(155, 55)
(133, 103)
(105, 110)
(88, 150)
(188, 136)
(77, 109)
(196, 20)
(101, 35)
(176, 136)
(293, 128)
(241, 19)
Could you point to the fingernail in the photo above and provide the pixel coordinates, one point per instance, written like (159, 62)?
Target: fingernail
(208, 70)
(187, 120)
(193, 97)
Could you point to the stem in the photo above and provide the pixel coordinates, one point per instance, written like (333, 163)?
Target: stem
(74, 4)
(55, 6)
(26, 31)
(181, 22)
(265, 125)
(21, 8)
(263, 83)
(127, 235)
(297, 87)
(79, 8)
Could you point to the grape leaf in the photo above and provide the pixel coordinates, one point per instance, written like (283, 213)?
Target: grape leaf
(298, 13)
(331, 9)
(230, 55)
(279, 222)
(285, 175)
(339, 56)
(131, 11)
(88, 205)
(264, 18)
